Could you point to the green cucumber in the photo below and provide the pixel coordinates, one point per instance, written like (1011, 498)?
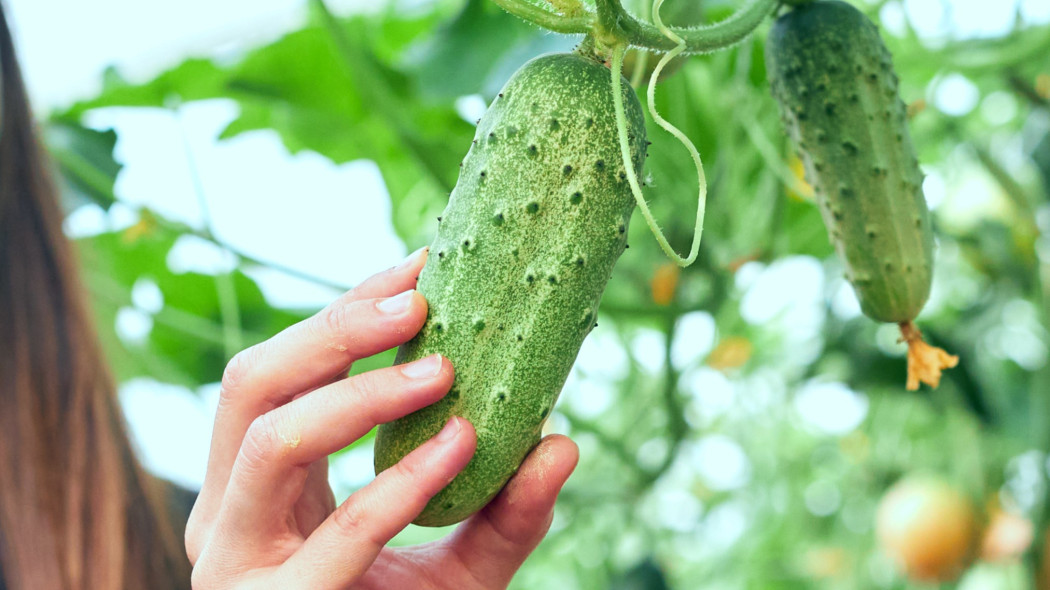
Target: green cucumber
(524, 249)
(837, 90)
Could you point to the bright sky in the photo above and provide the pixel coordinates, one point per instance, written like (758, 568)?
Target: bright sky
(301, 211)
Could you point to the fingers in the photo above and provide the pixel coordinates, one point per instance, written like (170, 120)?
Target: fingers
(495, 542)
(392, 280)
(317, 500)
(381, 313)
(369, 319)
(271, 468)
(345, 545)
(324, 345)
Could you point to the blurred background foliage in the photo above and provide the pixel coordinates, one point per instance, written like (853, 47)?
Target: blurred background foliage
(739, 420)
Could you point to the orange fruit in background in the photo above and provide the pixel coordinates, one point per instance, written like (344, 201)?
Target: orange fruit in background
(928, 527)
(732, 352)
(1007, 536)
(664, 283)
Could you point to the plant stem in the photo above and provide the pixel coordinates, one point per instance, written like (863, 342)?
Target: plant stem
(226, 291)
(1025, 89)
(105, 288)
(614, 444)
(1013, 190)
(244, 257)
(769, 153)
(617, 23)
(545, 18)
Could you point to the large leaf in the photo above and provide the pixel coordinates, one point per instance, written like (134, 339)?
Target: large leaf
(193, 79)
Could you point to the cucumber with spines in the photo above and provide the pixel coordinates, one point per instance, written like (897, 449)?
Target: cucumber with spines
(834, 80)
(523, 252)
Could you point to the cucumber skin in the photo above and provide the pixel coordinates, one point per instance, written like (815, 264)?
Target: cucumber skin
(524, 249)
(834, 81)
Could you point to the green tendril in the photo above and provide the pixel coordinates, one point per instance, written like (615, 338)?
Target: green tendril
(621, 128)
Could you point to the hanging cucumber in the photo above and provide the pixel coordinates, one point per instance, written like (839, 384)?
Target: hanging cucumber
(514, 277)
(834, 81)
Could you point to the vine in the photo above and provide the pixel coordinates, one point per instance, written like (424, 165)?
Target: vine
(612, 25)
(701, 39)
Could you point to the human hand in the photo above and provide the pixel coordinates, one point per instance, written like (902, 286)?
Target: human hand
(266, 516)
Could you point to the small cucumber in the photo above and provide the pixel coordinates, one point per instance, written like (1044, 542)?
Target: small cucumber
(523, 252)
(834, 80)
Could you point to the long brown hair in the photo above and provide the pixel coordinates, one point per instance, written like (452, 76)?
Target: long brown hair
(76, 510)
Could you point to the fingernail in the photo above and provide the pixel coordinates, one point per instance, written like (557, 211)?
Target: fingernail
(423, 368)
(411, 258)
(450, 430)
(396, 304)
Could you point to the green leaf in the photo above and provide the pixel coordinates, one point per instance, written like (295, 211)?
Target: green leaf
(193, 79)
(85, 161)
(461, 53)
(802, 230)
(188, 341)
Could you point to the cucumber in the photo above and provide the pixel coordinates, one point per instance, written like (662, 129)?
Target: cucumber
(523, 251)
(834, 80)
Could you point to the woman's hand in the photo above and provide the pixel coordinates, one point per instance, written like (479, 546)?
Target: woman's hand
(266, 517)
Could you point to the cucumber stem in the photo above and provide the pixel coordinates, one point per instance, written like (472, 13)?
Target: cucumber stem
(559, 23)
(612, 23)
(699, 39)
(925, 362)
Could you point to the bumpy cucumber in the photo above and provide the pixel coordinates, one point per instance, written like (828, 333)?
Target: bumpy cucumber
(837, 90)
(522, 254)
